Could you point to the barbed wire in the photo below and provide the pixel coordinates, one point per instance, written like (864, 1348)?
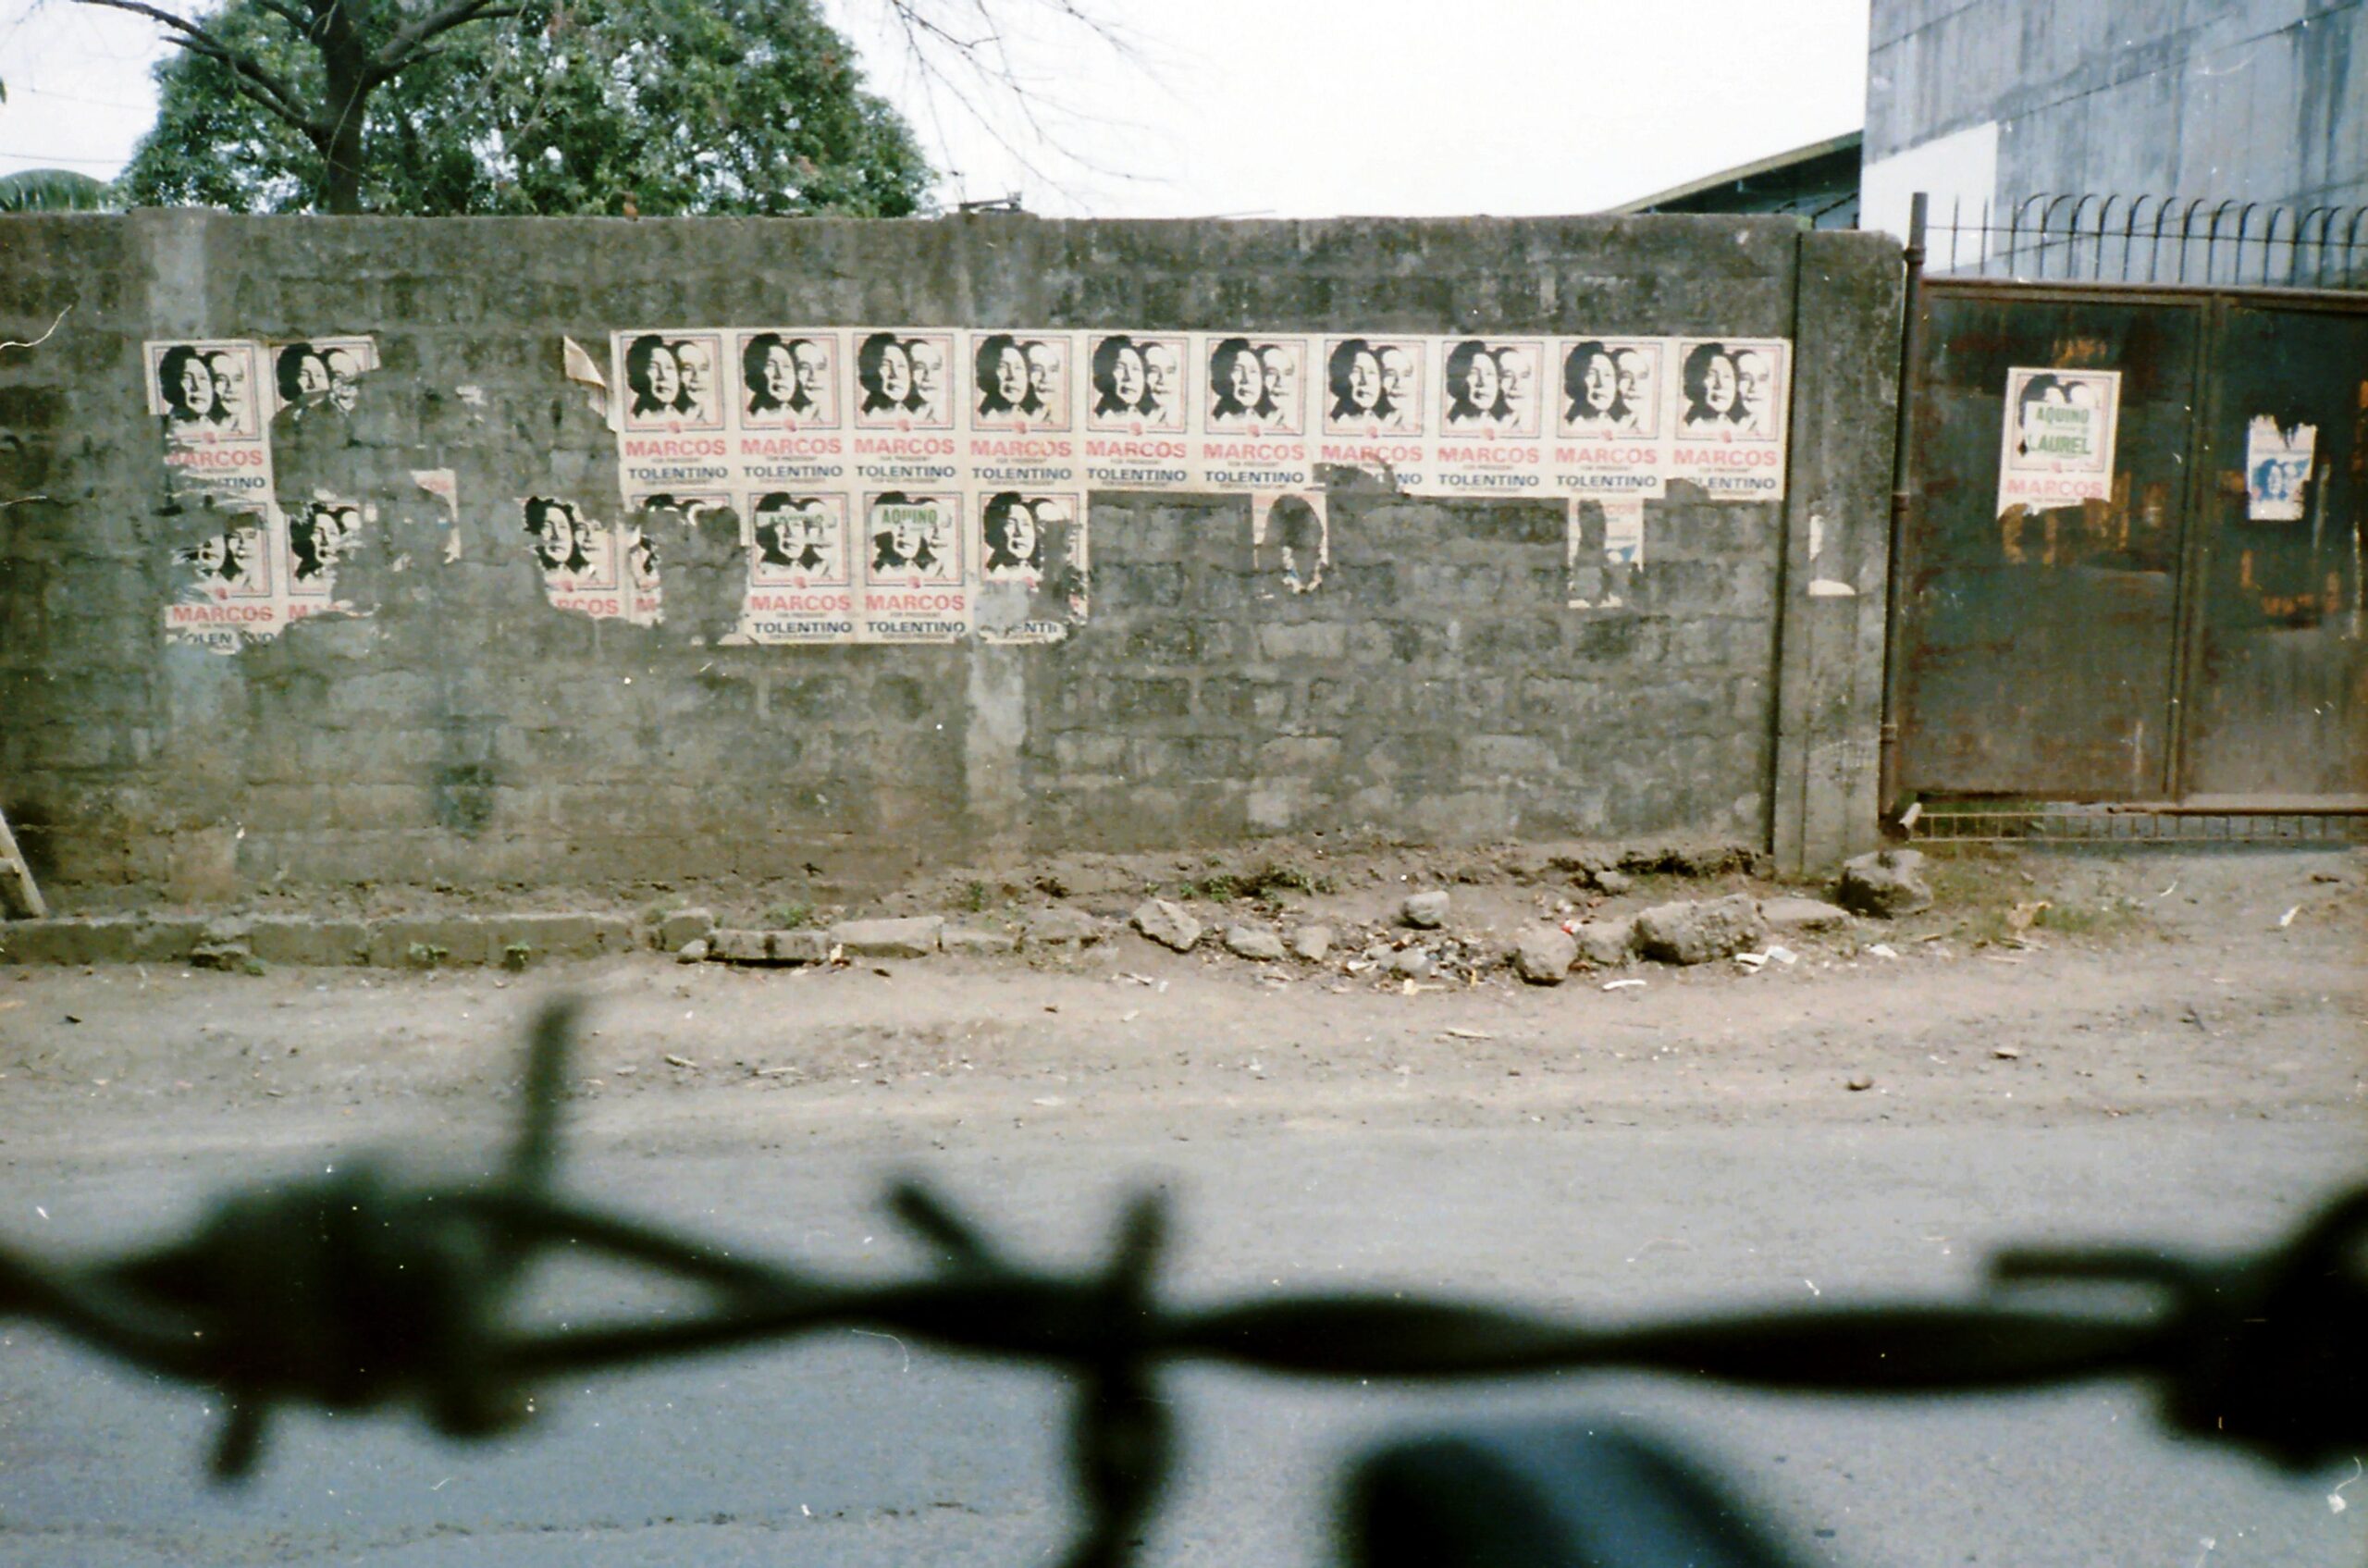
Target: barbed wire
(354, 1292)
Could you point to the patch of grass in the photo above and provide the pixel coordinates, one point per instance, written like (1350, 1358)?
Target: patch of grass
(1222, 888)
(789, 917)
(1264, 886)
(516, 957)
(426, 955)
(974, 898)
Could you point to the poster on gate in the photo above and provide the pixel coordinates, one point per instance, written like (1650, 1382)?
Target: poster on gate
(2056, 445)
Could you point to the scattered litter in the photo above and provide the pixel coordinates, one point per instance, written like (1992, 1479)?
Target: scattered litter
(2334, 1499)
(1131, 1014)
(774, 1072)
(2007, 1053)
(1469, 1034)
(1857, 1081)
(2169, 891)
(1048, 1100)
(1812, 1285)
(1751, 961)
(1622, 984)
(2021, 916)
(2287, 919)
(1131, 975)
(627, 1072)
(1914, 810)
(1883, 950)
(1782, 954)
(679, 1062)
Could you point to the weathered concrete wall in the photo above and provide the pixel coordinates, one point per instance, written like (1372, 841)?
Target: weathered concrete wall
(2267, 101)
(461, 728)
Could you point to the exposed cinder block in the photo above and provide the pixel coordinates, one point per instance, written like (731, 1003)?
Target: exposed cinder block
(556, 935)
(915, 936)
(428, 941)
(302, 941)
(684, 925)
(770, 946)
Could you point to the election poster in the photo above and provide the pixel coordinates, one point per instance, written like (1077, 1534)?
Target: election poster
(1489, 434)
(1610, 429)
(1726, 403)
(2056, 446)
(1033, 571)
(2277, 469)
(915, 587)
(1253, 428)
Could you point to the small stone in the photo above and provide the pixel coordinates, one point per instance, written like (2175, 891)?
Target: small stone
(1859, 1080)
(1604, 943)
(695, 951)
(1884, 884)
(1166, 923)
(966, 939)
(1254, 941)
(1543, 955)
(1696, 931)
(1802, 914)
(1414, 963)
(1425, 911)
(226, 956)
(1311, 943)
(1612, 883)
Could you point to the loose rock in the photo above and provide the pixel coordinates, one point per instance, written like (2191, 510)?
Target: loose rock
(1063, 928)
(770, 946)
(915, 937)
(1603, 942)
(1614, 883)
(1166, 923)
(1884, 884)
(1254, 941)
(1414, 963)
(1802, 914)
(1425, 911)
(691, 952)
(1311, 943)
(680, 926)
(964, 939)
(1543, 955)
(1696, 932)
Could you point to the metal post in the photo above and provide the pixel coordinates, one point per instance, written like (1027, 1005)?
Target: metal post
(1901, 493)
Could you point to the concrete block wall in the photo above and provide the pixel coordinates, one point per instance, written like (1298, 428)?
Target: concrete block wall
(1436, 687)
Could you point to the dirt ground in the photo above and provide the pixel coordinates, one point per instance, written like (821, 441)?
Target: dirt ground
(2043, 986)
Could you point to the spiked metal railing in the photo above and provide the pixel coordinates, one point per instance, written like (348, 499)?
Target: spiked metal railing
(2092, 237)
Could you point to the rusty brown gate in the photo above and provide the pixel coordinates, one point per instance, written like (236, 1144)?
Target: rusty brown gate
(2192, 639)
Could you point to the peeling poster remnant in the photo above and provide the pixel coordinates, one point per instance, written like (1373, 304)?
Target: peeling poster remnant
(1603, 568)
(2277, 469)
(1032, 568)
(2057, 448)
(1291, 539)
(589, 567)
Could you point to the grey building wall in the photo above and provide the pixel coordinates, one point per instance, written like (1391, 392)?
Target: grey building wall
(2262, 99)
(461, 728)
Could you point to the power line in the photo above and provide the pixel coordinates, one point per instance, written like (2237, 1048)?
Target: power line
(62, 158)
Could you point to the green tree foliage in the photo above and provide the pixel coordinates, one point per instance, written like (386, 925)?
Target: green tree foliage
(749, 106)
(53, 190)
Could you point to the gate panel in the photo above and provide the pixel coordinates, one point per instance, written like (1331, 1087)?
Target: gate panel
(2278, 693)
(2038, 650)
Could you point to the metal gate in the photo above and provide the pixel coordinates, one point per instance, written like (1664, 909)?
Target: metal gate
(2192, 639)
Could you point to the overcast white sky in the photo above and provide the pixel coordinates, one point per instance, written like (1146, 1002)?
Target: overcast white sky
(1240, 107)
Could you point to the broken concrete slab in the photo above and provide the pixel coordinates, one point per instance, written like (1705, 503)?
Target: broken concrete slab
(913, 937)
(1885, 884)
(1166, 923)
(679, 926)
(695, 951)
(770, 946)
(1063, 928)
(1696, 931)
(1605, 943)
(1311, 943)
(557, 935)
(1254, 942)
(970, 939)
(302, 941)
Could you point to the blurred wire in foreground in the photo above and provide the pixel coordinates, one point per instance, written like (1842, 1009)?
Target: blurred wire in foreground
(353, 1293)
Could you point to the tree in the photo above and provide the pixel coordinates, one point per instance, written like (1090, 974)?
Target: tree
(53, 190)
(540, 106)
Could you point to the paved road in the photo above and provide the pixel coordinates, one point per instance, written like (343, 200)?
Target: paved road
(856, 1449)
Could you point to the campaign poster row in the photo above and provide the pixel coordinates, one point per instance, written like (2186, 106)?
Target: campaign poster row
(264, 560)
(707, 411)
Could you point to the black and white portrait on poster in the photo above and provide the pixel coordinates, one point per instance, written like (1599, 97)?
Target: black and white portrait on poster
(674, 380)
(798, 540)
(577, 555)
(319, 535)
(205, 391)
(788, 380)
(230, 562)
(1032, 565)
(1610, 387)
(1728, 415)
(1020, 382)
(1257, 386)
(1137, 385)
(2056, 442)
(1489, 387)
(1373, 387)
(319, 376)
(681, 506)
(904, 380)
(914, 585)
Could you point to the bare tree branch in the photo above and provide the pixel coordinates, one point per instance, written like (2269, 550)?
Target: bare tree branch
(399, 50)
(252, 77)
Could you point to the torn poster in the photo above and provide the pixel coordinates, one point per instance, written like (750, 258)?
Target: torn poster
(2277, 470)
(2056, 445)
